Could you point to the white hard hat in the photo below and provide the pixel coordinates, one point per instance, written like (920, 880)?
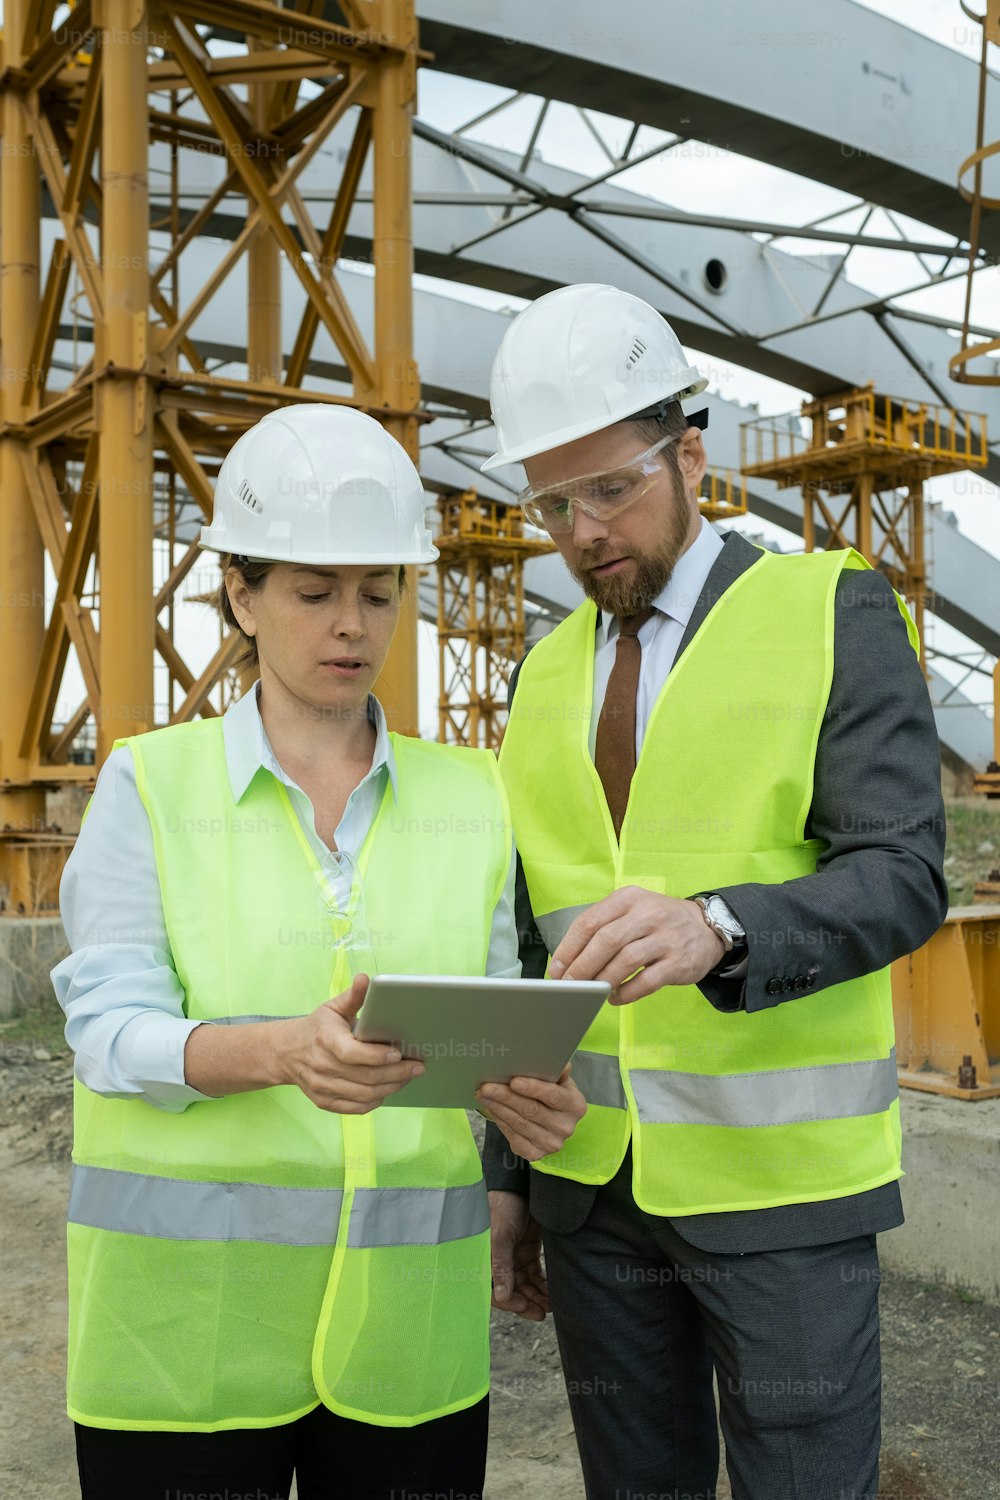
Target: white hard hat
(319, 483)
(576, 361)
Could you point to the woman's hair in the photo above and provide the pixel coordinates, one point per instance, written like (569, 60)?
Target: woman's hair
(253, 571)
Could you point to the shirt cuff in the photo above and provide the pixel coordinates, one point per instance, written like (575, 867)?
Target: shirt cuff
(149, 1051)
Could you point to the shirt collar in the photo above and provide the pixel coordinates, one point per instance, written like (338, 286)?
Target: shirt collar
(248, 749)
(683, 588)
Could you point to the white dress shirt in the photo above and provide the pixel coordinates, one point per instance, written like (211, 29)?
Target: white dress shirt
(659, 638)
(123, 1000)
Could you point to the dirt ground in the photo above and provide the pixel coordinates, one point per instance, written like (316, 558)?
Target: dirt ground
(941, 1351)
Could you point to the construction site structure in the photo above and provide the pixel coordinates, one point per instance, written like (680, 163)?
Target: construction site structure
(483, 545)
(91, 468)
(861, 466)
(975, 343)
(726, 497)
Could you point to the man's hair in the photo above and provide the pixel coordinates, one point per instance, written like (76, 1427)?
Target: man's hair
(665, 420)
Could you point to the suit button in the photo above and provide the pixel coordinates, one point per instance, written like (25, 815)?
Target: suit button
(800, 981)
(773, 986)
(810, 982)
(788, 984)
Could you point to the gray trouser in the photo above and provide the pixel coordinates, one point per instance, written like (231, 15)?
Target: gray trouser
(642, 1318)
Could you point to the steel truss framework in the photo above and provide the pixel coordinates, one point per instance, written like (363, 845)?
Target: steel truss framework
(528, 196)
(56, 98)
(80, 465)
(976, 342)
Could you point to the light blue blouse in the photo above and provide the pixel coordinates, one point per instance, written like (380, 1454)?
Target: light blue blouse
(122, 998)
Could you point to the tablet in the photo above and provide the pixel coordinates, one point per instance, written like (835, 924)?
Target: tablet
(472, 1031)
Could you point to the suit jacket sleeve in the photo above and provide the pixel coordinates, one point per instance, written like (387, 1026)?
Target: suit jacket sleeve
(503, 1169)
(879, 890)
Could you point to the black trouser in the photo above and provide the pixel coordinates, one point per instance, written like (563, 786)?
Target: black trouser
(332, 1458)
(643, 1317)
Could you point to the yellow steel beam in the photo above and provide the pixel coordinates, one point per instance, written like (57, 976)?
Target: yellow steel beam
(330, 306)
(194, 226)
(38, 16)
(71, 561)
(85, 139)
(271, 23)
(124, 415)
(197, 696)
(192, 554)
(22, 579)
(44, 63)
(396, 381)
(946, 1003)
(263, 265)
(333, 240)
(33, 388)
(50, 159)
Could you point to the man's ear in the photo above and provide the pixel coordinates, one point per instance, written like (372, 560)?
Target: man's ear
(691, 457)
(241, 600)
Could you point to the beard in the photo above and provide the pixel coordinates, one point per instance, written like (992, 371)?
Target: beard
(629, 594)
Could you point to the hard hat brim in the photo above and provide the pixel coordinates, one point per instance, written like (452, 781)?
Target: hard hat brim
(583, 429)
(323, 559)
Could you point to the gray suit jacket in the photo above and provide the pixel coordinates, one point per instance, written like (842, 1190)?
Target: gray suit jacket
(879, 890)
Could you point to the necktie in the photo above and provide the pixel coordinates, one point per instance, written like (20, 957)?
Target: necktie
(614, 748)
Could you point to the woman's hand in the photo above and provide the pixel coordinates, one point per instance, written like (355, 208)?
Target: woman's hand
(335, 1070)
(535, 1116)
(317, 1053)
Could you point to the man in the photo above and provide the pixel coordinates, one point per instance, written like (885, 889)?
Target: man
(725, 783)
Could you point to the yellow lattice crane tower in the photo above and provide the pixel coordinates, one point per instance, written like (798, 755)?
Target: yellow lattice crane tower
(861, 464)
(90, 463)
(483, 547)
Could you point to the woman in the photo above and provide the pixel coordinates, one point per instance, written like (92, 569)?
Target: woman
(268, 1271)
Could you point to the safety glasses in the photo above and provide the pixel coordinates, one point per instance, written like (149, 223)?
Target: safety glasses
(601, 495)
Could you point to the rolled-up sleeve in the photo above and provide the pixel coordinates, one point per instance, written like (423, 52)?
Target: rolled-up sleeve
(123, 1001)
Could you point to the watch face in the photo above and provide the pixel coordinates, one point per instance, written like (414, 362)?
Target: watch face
(720, 913)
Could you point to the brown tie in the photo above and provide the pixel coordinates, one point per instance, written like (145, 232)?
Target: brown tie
(614, 748)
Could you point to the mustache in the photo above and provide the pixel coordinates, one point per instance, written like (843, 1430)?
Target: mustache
(596, 559)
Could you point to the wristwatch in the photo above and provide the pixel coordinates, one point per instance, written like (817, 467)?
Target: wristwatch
(722, 920)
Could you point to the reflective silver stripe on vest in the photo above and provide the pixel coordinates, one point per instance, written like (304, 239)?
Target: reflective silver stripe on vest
(417, 1216)
(555, 924)
(169, 1208)
(784, 1096)
(599, 1079)
(244, 1020)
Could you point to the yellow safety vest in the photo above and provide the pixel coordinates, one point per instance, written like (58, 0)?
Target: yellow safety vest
(235, 1264)
(792, 1104)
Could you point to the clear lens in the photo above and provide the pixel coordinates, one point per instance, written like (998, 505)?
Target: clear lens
(600, 495)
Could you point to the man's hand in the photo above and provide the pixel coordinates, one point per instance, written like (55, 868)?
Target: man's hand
(332, 1068)
(519, 1284)
(665, 939)
(536, 1117)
